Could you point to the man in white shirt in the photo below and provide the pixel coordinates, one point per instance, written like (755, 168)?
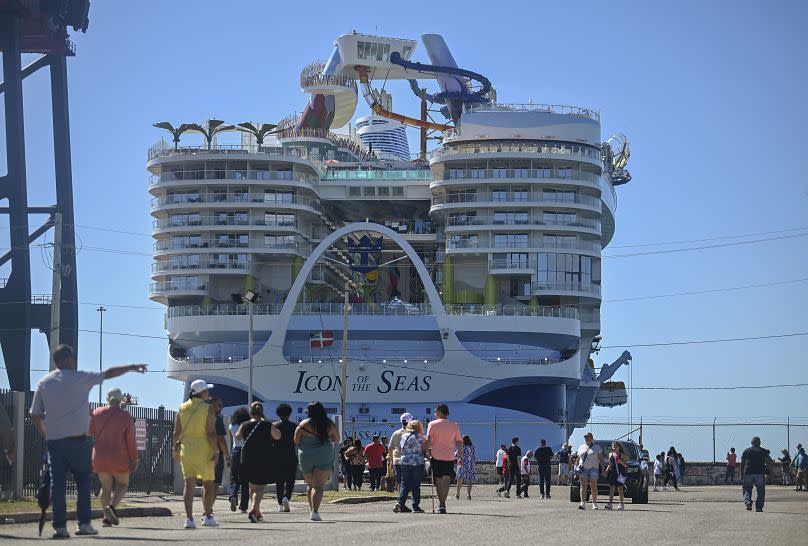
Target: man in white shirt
(394, 448)
(590, 462)
(61, 412)
(500, 463)
(524, 470)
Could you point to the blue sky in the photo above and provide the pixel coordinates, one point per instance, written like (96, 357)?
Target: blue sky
(712, 96)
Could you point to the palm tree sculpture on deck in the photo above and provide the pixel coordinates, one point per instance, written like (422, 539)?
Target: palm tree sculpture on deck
(214, 126)
(260, 133)
(175, 132)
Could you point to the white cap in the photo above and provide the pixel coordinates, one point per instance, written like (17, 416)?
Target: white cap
(114, 394)
(200, 385)
(407, 417)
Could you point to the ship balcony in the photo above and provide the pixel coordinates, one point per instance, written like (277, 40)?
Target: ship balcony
(515, 149)
(239, 200)
(579, 289)
(185, 178)
(163, 248)
(590, 319)
(510, 199)
(166, 225)
(163, 152)
(163, 268)
(569, 176)
(511, 267)
(160, 291)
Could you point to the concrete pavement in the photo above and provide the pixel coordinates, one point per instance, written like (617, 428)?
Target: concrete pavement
(704, 515)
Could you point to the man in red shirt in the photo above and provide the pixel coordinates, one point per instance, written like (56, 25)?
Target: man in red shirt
(374, 453)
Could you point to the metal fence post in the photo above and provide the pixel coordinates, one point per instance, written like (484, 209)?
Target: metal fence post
(18, 400)
(788, 432)
(714, 440)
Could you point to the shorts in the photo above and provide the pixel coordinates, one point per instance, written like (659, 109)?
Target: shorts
(589, 474)
(194, 468)
(562, 469)
(442, 468)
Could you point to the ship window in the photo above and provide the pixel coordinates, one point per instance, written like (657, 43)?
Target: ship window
(564, 268)
(510, 240)
(398, 191)
(406, 51)
(384, 191)
(369, 191)
(354, 191)
(560, 241)
(330, 410)
(559, 195)
(499, 194)
(364, 410)
(561, 218)
(520, 287)
(398, 411)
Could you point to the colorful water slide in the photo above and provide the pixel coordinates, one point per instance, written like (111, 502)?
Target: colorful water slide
(333, 96)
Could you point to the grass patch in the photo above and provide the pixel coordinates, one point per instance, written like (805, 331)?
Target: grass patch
(30, 505)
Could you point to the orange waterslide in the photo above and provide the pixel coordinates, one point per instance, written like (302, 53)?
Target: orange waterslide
(367, 92)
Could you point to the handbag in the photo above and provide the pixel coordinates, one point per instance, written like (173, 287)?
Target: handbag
(244, 451)
(621, 478)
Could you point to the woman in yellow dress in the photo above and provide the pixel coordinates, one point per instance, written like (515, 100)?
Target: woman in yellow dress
(195, 446)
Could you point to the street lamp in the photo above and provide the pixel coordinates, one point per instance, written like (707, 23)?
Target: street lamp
(250, 298)
(100, 347)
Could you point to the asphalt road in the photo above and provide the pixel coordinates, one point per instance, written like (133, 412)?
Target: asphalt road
(703, 515)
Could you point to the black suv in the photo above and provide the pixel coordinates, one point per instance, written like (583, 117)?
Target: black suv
(638, 474)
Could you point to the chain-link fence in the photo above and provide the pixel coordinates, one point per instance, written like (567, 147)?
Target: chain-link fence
(698, 440)
(154, 428)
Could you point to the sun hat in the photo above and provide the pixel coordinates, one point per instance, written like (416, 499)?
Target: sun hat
(200, 385)
(114, 394)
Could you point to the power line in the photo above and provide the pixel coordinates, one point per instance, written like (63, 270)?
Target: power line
(726, 388)
(704, 247)
(706, 291)
(711, 238)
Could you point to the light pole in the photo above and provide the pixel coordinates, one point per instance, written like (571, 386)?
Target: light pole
(346, 308)
(100, 347)
(250, 298)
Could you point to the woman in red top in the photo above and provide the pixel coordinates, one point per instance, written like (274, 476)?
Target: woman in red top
(115, 453)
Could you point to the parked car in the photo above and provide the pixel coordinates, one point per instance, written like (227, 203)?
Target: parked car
(638, 474)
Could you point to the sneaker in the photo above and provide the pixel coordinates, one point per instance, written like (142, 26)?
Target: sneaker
(756, 510)
(581, 506)
(243, 510)
(397, 508)
(525, 496)
(209, 521)
(86, 529)
(442, 510)
(61, 532)
(110, 515)
(417, 510)
(190, 524)
(252, 516)
(233, 504)
(548, 496)
(621, 507)
(519, 496)
(608, 506)
(656, 488)
(499, 493)
(116, 520)
(285, 504)
(749, 506)
(542, 496)
(280, 508)
(404, 509)
(260, 516)
(315, 516)
(594, 506)
(507, 495)
(106, 523)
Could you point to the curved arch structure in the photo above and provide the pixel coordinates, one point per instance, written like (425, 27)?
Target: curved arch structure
(279, 334)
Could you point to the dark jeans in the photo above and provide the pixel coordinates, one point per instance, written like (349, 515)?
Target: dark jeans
(218, 470)
(411, 476)
(500, 475)
(759, 481)
(347, 475)
(376, 477)
(285, 484)
(358, 471)
(74, 455)
(670, 475)
(730, 475)
(544, 481)
(236, 484)
(515, 477)
(525, 485)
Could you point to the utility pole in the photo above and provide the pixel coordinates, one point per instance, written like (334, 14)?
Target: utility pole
(250, 351)
(56, 289)
(100, 347)
(423, 129)
(346, 308)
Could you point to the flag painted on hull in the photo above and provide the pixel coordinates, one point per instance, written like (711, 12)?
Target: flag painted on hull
(318, 340)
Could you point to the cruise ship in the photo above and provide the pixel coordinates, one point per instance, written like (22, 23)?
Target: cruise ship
(473, 271)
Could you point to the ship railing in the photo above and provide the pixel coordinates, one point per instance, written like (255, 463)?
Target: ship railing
(513, 310)
(165, 223)
(518, 174)
(164, 149)
(312, 80)
(161, 246)
(164, 266)
(264, 199)
(555, 148)
(587, 288)
(209, 359)
(524, 361)
(230, 174)
(533, 107)
(177, 286)
(332, 175)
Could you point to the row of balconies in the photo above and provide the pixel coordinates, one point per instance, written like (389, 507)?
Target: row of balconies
(517, 174)
(524, 198)
(227, 175)
(241, 199)
(573, 151)
(160, 246)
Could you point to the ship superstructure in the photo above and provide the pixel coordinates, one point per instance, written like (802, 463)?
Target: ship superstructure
(474, 275)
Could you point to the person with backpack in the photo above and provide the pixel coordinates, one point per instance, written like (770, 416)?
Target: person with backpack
(800, 464)
(258, 456)
(670, 470)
